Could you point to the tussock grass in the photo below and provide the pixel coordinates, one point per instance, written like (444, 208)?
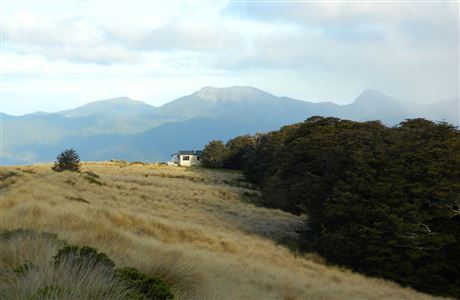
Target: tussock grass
(27, 272)
(189, 227)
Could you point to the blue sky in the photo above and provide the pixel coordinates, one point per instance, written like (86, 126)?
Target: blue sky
(61, 54)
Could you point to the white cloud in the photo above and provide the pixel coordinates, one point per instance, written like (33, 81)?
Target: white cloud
(77, 40)
(81, 50)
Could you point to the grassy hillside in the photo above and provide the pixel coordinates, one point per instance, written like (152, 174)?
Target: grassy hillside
(195, 228)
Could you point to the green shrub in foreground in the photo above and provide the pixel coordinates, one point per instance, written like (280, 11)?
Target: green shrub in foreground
(84, 257)
(143, 286)
(140, 285)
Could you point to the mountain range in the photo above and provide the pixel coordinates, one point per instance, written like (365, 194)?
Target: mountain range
(122, 128)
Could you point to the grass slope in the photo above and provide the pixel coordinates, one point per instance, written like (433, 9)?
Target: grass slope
(190, 227)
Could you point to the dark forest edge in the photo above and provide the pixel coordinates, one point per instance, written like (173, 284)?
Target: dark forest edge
(384, 201)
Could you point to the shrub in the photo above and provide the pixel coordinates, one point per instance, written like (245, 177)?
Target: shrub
(139, 285)
(83, 257)
(143, 286)
(29, 271)
(236, 150)
(68, 160)
(214, 154)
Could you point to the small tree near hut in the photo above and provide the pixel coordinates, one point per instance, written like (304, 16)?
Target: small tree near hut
(68, 160)
(214, 154)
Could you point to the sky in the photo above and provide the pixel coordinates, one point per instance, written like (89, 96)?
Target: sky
(57, 55)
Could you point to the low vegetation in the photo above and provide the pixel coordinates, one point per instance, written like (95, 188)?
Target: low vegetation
(186, 226)
(214, 154)
(31, 271)
(67, 160)
(382, 201)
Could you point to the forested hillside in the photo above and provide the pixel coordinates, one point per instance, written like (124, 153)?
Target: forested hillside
(384, 201)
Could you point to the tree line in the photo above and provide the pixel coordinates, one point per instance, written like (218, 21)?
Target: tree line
(384, 201)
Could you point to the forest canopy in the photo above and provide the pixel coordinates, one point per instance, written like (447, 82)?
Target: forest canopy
(384, 201)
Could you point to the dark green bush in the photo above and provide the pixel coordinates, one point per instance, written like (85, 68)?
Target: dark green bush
(68, 160)
(140, 285)
(83, 257)
(143, 286)
(214, 154)
(236, 149)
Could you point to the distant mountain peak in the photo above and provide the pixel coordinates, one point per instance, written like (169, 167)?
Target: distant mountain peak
(373, 96)
(109, 107)
(233, 93)
(117, 100)
(371, 92)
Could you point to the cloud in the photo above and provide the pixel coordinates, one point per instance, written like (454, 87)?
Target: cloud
(77, 40)
(83, 40)
(182, 36)
(330, 50)
(340, 12)
(358, 20)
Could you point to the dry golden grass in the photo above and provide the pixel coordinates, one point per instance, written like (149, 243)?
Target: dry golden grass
(41, 279)
(188, 226)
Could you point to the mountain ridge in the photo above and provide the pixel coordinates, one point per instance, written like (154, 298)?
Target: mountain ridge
(123, 128)
(232, 93)
(117, 106)
(235, 93)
